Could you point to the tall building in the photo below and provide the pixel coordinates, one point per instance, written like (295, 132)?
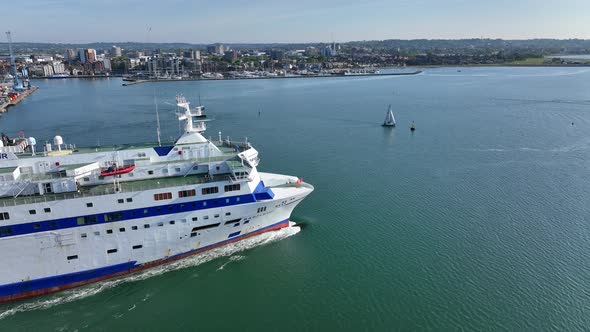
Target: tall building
(107, 64)
(47, 70)
(82, 55)
(116, 51)
(70, 54)
(192, 54)
(90, 55)
(327, 51)
(231, 55)
(58, 67)
(216, 49)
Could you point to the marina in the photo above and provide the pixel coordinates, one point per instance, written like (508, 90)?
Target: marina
(131, 81)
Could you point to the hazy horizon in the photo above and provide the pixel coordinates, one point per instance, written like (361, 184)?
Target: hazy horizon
(115, 43)
(265, 21)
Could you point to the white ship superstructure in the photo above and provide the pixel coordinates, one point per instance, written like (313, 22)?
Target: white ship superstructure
(71, 216)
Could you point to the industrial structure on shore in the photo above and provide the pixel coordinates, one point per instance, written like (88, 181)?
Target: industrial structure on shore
(15, 86)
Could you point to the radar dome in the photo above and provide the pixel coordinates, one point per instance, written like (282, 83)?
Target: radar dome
(57, 140)
(32, 141)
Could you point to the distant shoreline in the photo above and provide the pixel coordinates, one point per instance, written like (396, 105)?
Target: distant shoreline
(127, 83)
(503, 65)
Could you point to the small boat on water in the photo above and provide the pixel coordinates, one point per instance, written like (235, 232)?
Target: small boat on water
(389, 118)
(413, 126)
(111, 171)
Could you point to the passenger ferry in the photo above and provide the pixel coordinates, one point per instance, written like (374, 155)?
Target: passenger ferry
(72, 216)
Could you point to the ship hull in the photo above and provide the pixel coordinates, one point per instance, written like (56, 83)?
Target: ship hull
(77, 254)
(23, 290)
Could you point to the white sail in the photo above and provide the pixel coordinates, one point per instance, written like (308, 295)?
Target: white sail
(389, 118)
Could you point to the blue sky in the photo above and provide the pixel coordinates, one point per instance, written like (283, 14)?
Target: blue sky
(232, 21)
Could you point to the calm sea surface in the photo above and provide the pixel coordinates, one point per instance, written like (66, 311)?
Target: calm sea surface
(480, 220)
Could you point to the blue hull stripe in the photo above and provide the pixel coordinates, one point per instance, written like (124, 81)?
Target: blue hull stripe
(70, 278)
(64, 279)
(123, 215)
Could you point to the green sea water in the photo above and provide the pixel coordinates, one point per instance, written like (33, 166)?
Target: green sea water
(480, 220)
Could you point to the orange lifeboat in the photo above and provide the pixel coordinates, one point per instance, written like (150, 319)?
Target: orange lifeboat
(111, 171)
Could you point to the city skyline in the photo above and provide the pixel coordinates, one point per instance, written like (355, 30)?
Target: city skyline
(270, 22)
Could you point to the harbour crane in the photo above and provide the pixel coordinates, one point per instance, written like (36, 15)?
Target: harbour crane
(13, 72)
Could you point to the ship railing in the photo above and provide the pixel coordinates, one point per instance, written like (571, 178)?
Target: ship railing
(228, 143)
(110, 189)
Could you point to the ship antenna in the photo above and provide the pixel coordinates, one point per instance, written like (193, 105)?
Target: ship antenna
(157, 118)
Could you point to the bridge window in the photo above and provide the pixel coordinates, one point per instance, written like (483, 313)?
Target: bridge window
(139, 246)
(186, 193)
(200, 228)
(113, 216)
(134, 228)
(233, 221)
(89, 205)
(72, 257)
(210, 190)
(87, 220)
(111, 251)
(129, 200)
(47, 210)
(32, 211)
(120, 200)
(162, 196)
(4, 216)
(232, 187)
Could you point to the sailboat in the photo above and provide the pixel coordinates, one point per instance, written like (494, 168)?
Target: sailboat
(389, 119)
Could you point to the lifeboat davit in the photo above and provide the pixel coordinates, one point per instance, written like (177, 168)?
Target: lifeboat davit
(117, 170)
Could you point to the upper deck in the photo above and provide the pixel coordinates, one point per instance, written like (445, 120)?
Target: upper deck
(122, 187)
(229, 154)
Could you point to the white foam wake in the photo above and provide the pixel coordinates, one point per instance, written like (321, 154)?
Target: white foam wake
(92, 289)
